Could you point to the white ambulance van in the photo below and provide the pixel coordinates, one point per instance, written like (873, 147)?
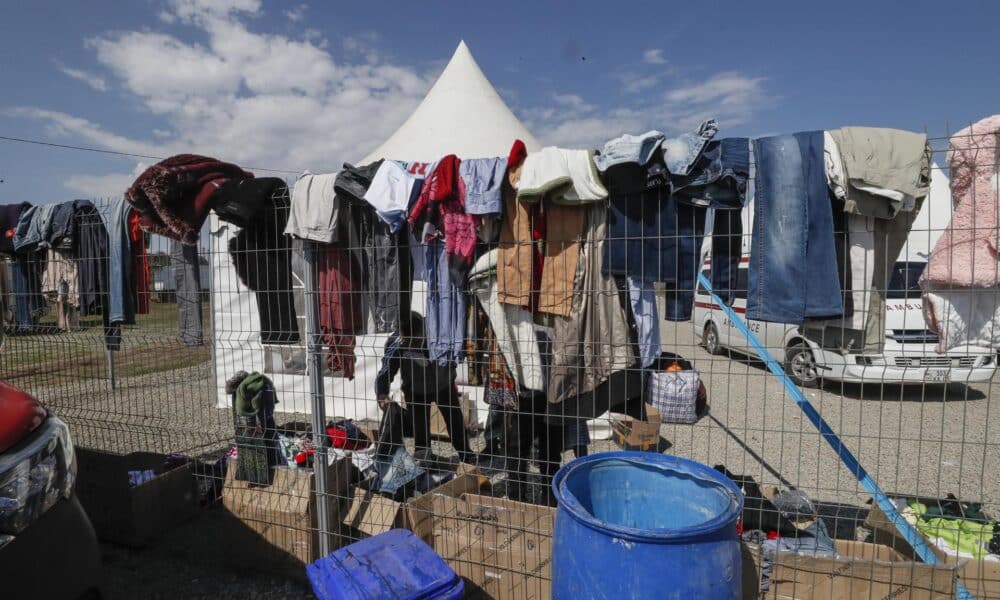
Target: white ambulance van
(910, 353)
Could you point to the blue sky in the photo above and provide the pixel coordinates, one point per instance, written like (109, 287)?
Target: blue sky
(295, 86)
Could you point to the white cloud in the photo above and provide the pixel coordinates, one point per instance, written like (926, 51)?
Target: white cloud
(256, 99)
(653, 56)
(94, 81)
(297, 13)
(729, 97)
(103, 186)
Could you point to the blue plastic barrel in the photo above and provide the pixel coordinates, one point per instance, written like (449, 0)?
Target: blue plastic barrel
(394, 564)
(642, 525)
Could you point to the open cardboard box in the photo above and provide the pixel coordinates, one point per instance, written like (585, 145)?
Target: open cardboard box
(284, 512)
(632, 434)
(980, 577)
(503, 549)
(369, 513)
(861, 570)
(133, 515)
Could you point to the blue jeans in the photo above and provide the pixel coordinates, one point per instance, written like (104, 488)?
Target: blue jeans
(727, 247)
(445, 318)
(115, 218)
(682, 152)
(33, 226)
(688, 233)
(719, 178)
(629, 149)
(793, 260)
(26, 285)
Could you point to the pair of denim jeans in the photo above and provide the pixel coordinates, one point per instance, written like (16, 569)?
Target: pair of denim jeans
(115, 216)
(793, 260)
(445, 309)
(719, 177)
(682, 152)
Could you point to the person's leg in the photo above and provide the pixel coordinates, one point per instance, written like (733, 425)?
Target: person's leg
(448, 403)
(418, 415)
(390, 434)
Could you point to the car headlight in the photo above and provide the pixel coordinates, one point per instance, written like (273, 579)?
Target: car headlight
(35, 474)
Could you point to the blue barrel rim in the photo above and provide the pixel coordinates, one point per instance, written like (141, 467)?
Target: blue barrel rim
(573, 507)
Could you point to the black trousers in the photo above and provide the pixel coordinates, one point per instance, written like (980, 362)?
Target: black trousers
(414, 421)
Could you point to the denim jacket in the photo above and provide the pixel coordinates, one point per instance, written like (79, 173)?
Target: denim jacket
(681, 153)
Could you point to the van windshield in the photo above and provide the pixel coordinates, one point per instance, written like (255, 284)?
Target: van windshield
(904, 281)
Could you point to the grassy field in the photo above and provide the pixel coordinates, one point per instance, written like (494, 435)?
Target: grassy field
(150, 346)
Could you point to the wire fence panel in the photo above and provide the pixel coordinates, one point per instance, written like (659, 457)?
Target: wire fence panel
(443, 369)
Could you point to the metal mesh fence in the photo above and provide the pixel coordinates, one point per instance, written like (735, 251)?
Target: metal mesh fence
(452, 419)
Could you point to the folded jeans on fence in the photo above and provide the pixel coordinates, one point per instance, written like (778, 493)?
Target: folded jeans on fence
(793, 262)
(682, 152)
(719, 178)
(638, 149)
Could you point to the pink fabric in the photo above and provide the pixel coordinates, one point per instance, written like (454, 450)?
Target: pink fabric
(967, 253)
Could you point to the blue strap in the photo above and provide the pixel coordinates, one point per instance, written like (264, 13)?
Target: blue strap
(905, 529)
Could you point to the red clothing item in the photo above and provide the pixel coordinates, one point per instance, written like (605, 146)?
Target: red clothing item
(140, 264)
(174, 196)
(340, 308)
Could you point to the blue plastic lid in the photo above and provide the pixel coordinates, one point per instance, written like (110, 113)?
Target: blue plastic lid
(394, 564)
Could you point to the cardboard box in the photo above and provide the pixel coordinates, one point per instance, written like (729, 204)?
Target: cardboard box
(284, 513)
(469, 415)
(980, 577)
(502, 548)
(133, 515)
(861, 570)
(632, 434)
(370, 514)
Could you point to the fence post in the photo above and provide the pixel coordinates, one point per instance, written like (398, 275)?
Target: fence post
(314, 366)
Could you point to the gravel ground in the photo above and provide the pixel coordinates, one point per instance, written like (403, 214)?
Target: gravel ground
(925, 440)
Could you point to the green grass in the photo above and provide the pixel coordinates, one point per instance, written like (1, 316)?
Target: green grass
(150, 346)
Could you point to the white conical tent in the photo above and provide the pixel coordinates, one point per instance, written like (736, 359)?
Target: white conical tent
(462, 114)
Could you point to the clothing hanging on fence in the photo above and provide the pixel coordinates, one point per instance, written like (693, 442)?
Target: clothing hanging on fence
(592, 343)
(682, 153)
(392, 191)
(59, 286)
(10, 215)
(512, 326)
(341, 314)
(140, 264)
(120, 277)
(315, 211)
(793, 263)
(369, 242)
(439, 212)
(718, 178)
(879, 172)
(561, 176)
(91, 256)
(174, 196)
(187, 280)
(26, 283)
(262, 255)
(961, 282)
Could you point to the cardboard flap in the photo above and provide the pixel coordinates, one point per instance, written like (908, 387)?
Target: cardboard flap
(372, 513)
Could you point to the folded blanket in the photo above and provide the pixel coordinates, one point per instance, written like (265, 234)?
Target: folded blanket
(560, 175)
(173, 197)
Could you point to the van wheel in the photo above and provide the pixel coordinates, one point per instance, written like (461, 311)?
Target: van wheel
(710, 339)
(800, 364)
